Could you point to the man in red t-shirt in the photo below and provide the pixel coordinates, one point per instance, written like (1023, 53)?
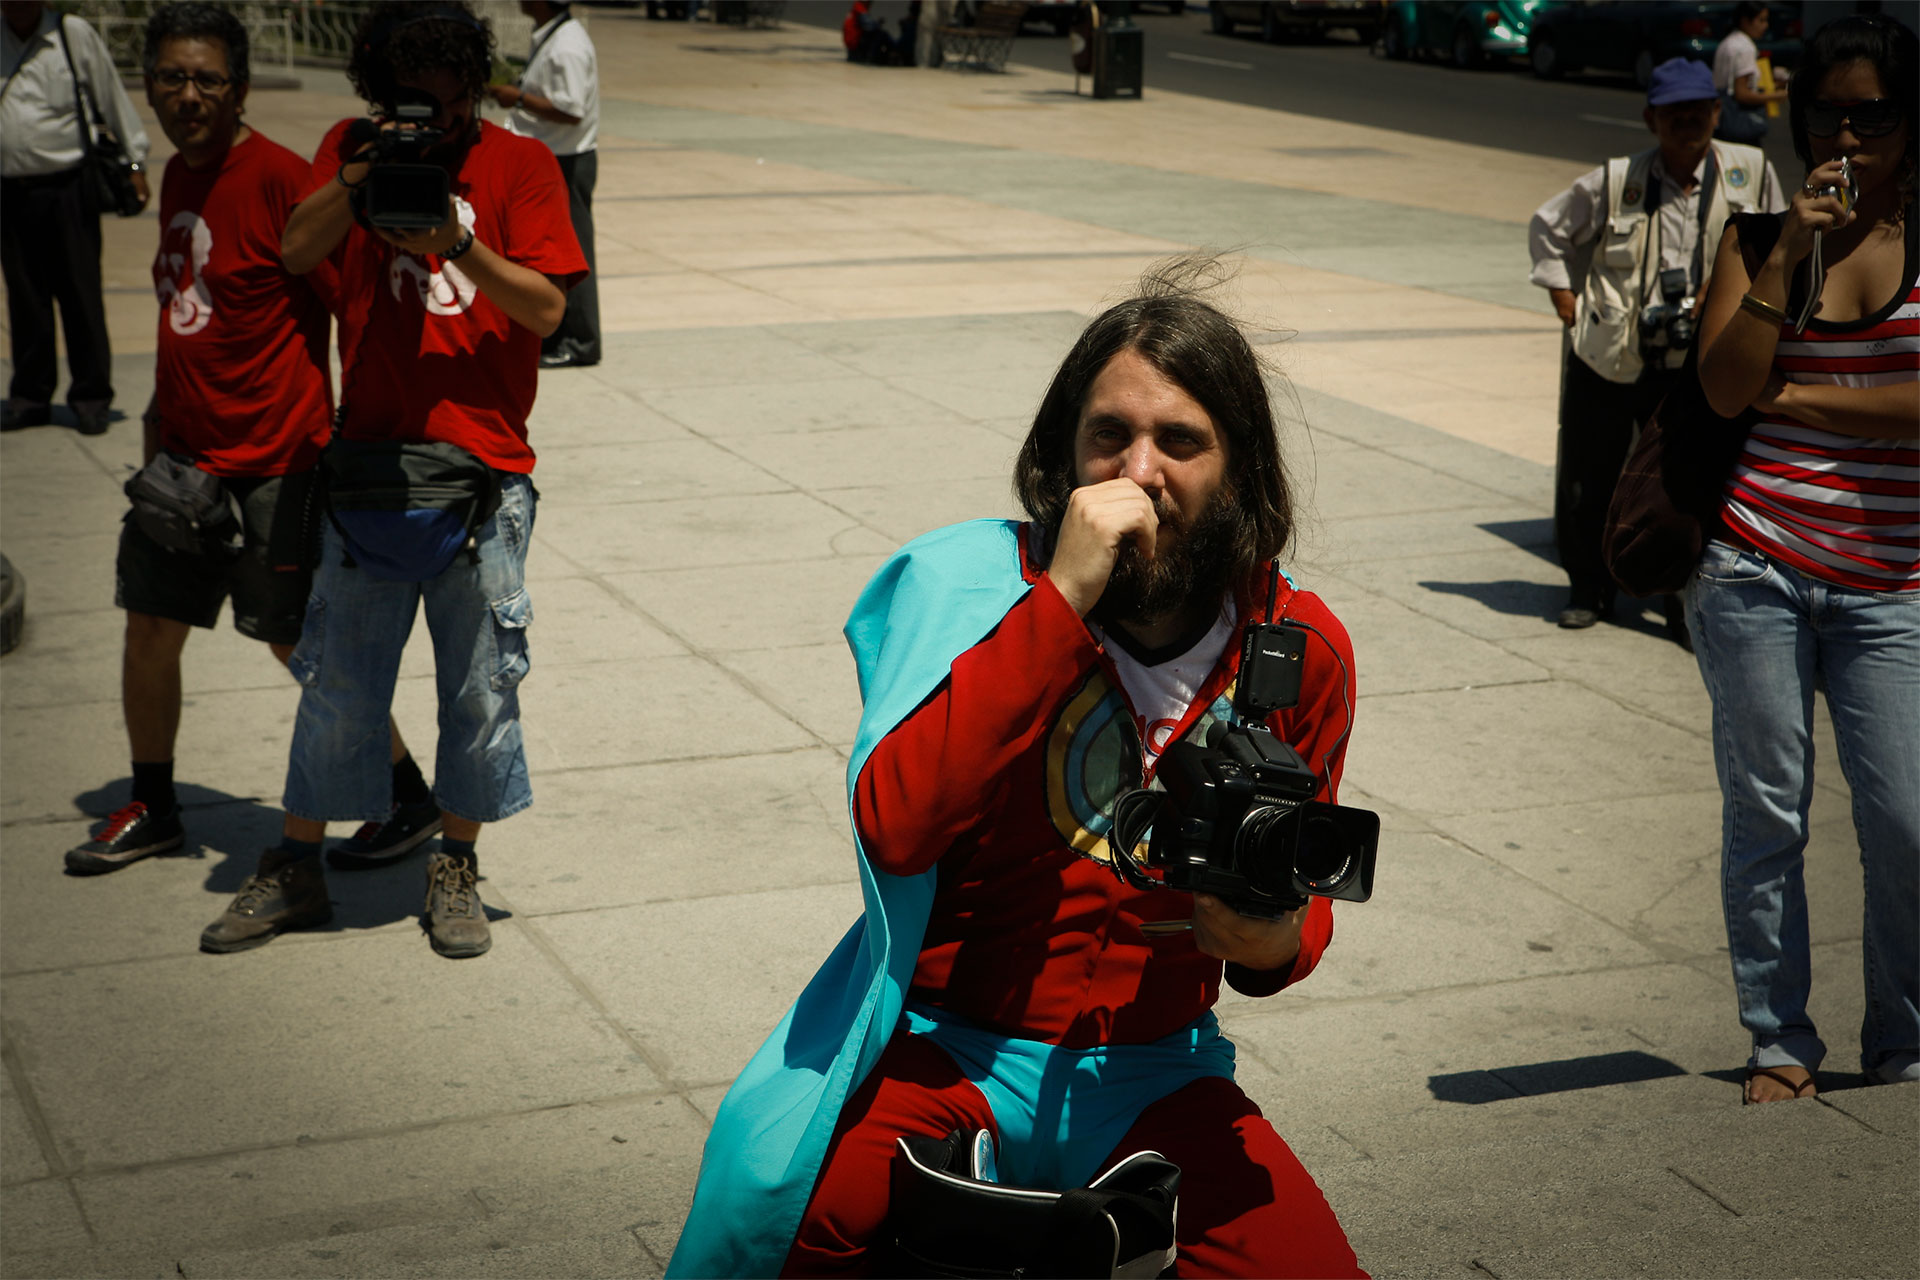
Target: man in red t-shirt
(440, 333)
(240, 393)
(1052, 1003)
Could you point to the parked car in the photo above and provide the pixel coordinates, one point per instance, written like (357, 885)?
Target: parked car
(1299, 20)
(1635, 36)
(1467, 35)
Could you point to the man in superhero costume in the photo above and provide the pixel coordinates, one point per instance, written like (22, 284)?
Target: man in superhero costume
(1017, 678)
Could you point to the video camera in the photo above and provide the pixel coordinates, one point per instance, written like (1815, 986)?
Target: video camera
(1236, 817)
(1668, 327)
(402, 190)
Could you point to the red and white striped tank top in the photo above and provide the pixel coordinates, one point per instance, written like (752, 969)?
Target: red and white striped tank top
(1844, 509)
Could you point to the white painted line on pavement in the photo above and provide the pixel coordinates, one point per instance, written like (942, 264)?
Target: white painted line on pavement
(1619, 120)
(1210, 62)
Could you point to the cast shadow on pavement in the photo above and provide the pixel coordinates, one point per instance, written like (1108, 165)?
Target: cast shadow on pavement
(1495, 1084)
(230, 831)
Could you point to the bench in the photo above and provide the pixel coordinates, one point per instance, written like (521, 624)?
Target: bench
(984, 46)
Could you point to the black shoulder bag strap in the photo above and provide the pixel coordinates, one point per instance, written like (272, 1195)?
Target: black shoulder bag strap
(81, 98)
(542, 43)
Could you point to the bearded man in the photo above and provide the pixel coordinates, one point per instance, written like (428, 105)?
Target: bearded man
(1017, 679)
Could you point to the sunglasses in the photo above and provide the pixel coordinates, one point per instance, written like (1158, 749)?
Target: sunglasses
(1870, 117)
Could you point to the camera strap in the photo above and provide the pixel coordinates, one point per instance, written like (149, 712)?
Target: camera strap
(542, 43)
(1707, 187)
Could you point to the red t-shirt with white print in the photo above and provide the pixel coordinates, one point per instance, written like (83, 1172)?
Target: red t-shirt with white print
(425, 354)
(240, 380)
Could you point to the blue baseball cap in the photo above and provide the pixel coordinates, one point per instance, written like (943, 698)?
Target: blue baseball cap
(1680, 80)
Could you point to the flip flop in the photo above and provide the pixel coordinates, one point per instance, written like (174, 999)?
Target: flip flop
(1800, 1089)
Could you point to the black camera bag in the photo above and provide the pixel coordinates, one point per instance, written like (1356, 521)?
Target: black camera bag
(181, 507)
(405, 508)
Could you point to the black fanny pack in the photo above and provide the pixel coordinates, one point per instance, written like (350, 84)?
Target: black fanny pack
(181, 507)
(406, 508)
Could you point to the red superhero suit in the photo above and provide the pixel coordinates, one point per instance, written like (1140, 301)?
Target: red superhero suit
(1002, 780)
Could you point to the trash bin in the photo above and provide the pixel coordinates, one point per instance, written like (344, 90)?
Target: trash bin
(1119, 50)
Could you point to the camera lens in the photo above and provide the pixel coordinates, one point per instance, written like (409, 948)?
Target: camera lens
(1325, 857)
(1263, 849)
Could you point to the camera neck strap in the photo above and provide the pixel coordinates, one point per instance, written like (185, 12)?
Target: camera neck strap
(1654, 188)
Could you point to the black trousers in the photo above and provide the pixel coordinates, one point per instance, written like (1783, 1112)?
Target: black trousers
(1598, 422)
(50, 250)
(579, 332)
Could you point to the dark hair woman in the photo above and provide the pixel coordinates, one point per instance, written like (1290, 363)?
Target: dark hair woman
(1814, 581)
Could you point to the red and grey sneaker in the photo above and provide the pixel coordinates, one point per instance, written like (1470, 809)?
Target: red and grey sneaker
(376, 844)
(131, 834)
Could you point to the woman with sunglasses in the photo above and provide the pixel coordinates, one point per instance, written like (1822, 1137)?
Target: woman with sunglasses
(1813, 580)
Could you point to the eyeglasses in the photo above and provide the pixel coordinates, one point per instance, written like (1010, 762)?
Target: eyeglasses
(1870, 117)
(209, 84)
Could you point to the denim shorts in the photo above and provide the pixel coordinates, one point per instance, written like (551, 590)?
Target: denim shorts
(269, 579)
(348, 661)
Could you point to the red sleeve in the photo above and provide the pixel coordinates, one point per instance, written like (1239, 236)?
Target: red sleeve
(327, 158)
(1319, 729)
(540, 222)
(927, 782)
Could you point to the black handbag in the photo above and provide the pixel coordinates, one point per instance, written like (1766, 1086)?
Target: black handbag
(1666, 505)
(405, 508)
(183, 508)
(106, 167)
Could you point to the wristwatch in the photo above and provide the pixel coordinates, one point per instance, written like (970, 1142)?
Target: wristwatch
(460, 247)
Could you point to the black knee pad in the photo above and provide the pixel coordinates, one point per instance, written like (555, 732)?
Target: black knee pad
(950, 1217)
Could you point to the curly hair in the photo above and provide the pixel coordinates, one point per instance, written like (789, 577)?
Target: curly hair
(1892, 50)
(197, 22)
(404, 38)
(1202, 351)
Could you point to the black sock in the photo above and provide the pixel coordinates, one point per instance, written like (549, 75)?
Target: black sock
(153, 786)
(461, 849)
(300, 848)
(408, 786)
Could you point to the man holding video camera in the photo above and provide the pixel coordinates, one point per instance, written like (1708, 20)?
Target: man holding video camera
(1651, 220)
(1006, 978)
(454, 250)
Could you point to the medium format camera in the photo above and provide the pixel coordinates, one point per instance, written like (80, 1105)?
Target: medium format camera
(1239, 821)
(1667, 328)
(402, 191)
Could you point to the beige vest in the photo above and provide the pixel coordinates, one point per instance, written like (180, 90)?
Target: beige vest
(1626, 261)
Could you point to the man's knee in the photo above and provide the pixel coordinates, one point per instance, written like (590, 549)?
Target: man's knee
(154, 642)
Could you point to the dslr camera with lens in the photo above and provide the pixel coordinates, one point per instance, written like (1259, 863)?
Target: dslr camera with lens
(402, 190)
(1667, 327)
(1237, 817)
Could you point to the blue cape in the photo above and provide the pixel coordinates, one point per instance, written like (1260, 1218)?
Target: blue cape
(936, 598)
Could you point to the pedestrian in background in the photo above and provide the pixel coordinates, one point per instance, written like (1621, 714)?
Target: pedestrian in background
(1813, 581)
(1736, 74)
(558, 102)
(240, 392)
(1650, 218)
(49, 214)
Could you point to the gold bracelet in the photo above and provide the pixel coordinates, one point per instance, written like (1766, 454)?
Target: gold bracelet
(1765, 310)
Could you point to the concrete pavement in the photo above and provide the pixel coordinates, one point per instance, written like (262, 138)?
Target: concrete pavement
(833, 295)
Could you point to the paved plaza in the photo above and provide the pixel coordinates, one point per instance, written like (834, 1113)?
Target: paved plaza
(833, 295)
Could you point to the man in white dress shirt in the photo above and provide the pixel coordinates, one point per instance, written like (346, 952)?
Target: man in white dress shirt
(558, 102)
(49, 216)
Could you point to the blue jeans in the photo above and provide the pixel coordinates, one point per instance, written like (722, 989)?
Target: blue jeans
(1764, 636)
(348, 659)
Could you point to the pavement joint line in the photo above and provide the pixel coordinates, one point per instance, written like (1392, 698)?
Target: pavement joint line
(766, 195)
(1499, 869)
(1272, 338)
(304, 1141)
(679, 899)
(943, 259)
(1822, 1099)
(1705, 1190)
(29, 1102)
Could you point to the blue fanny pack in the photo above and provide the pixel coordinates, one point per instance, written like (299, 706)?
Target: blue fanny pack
(406, 508)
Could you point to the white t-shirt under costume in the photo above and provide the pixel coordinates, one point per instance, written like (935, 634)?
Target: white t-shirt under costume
(562, 69)
(1160, 694)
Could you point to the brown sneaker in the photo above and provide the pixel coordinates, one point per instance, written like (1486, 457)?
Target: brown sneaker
(456, 922)
(285, 893)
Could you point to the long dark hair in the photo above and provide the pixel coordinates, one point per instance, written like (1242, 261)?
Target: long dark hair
(1203, 352)
(1894, 53)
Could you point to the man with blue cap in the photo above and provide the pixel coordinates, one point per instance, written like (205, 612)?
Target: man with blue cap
(1650, 220)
